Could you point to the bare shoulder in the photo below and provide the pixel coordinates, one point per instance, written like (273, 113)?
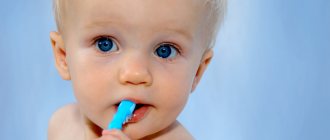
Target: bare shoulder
(182, 133)
(64, 123)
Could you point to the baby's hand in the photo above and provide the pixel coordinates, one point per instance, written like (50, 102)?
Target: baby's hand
(113, 135)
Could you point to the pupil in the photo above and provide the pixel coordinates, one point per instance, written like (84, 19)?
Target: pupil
(164, 51)
(105, 44)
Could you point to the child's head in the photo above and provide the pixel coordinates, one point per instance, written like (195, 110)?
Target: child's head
(213, 16)
(151, 52)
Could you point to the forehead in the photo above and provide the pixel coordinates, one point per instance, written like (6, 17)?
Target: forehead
(181, 15)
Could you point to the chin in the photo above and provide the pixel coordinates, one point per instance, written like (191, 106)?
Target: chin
(145, 131)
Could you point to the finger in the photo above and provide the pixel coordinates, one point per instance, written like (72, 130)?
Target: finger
(115, 133)
(107, 132)
(108, 137)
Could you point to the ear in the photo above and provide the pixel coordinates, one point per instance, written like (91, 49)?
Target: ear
(206, 59)
(60, 55)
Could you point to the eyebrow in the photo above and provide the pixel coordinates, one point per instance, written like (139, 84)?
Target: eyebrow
(181, 31)
(171, 29)
(98, 24)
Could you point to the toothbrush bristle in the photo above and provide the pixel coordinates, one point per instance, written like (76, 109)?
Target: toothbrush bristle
(129, 117)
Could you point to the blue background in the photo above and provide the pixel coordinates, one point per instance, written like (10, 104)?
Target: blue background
(269, 79)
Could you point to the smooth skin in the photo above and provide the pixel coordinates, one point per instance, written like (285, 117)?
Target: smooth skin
(130, 71)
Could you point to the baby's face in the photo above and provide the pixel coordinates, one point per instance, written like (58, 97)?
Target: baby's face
(148, 51)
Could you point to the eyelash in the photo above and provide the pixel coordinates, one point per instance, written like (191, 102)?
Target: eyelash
(176, 47)
(94, 41)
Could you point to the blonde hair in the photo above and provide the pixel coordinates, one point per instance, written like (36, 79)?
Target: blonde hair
(215, 16)
(57, 13)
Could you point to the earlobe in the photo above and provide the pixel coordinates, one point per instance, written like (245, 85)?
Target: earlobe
(206, 59)
(60, 55)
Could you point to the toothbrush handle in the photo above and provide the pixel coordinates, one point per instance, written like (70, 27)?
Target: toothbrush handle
(124, 111)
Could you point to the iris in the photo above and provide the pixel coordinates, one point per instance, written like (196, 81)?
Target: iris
(105, 44)
(166, 51)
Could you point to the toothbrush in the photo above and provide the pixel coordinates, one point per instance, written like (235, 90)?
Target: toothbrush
(124, 112)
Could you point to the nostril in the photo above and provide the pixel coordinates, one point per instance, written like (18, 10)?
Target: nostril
(135, 76)
(135, 83)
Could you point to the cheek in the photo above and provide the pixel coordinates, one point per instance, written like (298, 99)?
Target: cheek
(175, 88)
(86, 79)
(91, 86)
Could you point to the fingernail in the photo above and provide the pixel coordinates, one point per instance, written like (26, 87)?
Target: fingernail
(106, 132)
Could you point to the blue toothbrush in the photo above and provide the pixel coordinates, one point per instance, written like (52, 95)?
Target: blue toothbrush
(124, 112)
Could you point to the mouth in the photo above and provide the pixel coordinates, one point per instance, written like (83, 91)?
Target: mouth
(139, 113)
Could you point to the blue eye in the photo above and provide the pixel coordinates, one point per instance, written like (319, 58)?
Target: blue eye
(166, 51)
(106, 45)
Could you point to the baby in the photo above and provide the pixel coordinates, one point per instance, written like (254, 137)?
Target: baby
(152, 52)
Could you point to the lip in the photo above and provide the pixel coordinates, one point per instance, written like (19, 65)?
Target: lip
(130, 99)
(141, 110)
(139, 113)
(133, 100)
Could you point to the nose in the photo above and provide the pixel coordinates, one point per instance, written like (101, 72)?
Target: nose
(135, 71)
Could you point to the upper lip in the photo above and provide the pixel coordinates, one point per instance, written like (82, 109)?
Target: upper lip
(136, 101)
(133, 100)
